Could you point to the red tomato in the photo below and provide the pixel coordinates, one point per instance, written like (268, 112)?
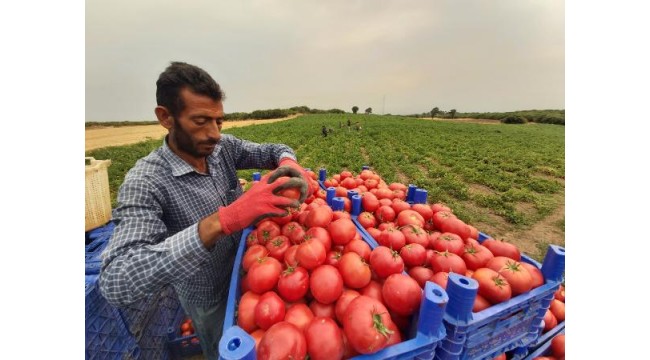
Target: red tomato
(384, 193)
(424, 210)
(559, 294)
(251, 239)
(501, 356)
(413, 255)
(441, 278)
(476, 256)
(300, 315)
(246, 311)
(346, 174)
(421, 274)
(186, 333)
(320, 234)
(400, 205)
(385, 213)
(311, 254)
(269, 310)
(342, 303)
(342, 231)
(392, 238)
(433, 236)
(440, 217)
(549, 321)
(410, 217)
(341, 215)
(369, 202)
(267, 230)
(517, 276)
(293, 283)
(290, 256)
(374, 232)
(367, 220)
(257, 336)
(354, 270)
(294, 231)
(366, 325)
(557, 308)
(373, 290)
(320, 216)
(386, 226)
(535, 274)
(386, 202)
(324, 339)
(402, 294)
(385, 262)
(282, 341)
(502, 248)
(326, 284)
(371, 184)
(322, 310)
(186, 327)
(448, 262)
(254, 253)
(278, 246)
(281, 220)
(440, 207)
(397, 186)
(449, 242)
(557, 346)
(480, 304)
(414, 234)
(492, 286)
(263, 275)
(473, 232)
(348, 183)
(360, 247)
(333, 258)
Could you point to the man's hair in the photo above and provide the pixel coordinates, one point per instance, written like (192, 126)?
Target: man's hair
(180, 75)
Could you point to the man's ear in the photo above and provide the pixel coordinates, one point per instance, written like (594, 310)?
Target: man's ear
(164, 117)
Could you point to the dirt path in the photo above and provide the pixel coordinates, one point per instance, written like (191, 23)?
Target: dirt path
(100, 137)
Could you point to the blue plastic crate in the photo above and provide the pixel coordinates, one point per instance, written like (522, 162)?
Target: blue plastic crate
(93, 234)
(153, 339)
(426, 333)
(181, 346)
(544, 349)
(106, 335)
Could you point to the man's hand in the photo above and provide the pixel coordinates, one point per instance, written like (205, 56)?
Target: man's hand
(311, 183)
(261, 200)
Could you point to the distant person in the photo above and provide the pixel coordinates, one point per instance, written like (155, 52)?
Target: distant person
(324, 131)
(181, 208)
(349, 123)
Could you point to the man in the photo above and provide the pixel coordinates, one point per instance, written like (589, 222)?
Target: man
(181, 208)
(324, 131)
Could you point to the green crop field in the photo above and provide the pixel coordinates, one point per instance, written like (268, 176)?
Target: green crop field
(506, 180)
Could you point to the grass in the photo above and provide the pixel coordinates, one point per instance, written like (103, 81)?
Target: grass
(504, 177)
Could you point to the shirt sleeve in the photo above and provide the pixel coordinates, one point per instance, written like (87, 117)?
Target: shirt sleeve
(250, 155)
(141, 259)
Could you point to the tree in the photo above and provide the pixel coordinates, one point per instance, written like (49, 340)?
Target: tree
(355, 109)
(369, 110)
(434, 111)
(452, 112)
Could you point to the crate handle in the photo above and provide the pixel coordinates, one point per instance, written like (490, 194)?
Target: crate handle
(97, 164)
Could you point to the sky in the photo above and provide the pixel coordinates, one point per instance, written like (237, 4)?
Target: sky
(397, 57)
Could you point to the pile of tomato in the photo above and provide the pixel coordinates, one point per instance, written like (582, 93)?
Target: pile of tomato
(187, 329)
(556, 349)
(555, 314)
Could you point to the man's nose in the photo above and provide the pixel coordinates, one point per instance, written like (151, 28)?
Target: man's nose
(214, 130)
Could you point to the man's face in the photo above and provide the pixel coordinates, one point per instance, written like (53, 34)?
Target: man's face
(197, 129)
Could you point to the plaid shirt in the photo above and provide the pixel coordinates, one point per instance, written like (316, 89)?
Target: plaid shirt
(156, 240)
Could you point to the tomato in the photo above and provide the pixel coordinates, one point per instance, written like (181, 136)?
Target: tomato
(320, 216)
(186, 333)
(399, 194)
(282, 341)
(186, 327)
(501, 356)
(284, 219)
(557, 345)
(395, 336)
(385, 262)
(550, 321)
(535, 274)
(476, 256)
(440, 207)
(473, 232)
(342, 231)
(254, 253)
(414, 234)
(441, 278)
(294, 231)
(369, 202)
(557, 308)
(341, 215)
(402, 294)
(346, 174)
(420, 274)
(373, 290)
(371, 183)
(432, 237)
(384, 193)
(440, 217)
(360, 247)
(480, 304)
(354, 270)
(559, 294)
(367, 220)
(413, 255)
(320, 234)
(246, 311)
(492, 286)
(374, 232)
(448, 262)
(257, 336)
(386, 202)
(290, 256)
(278, 246)
(366, 325)
(400, 205)
(410, 217)
(293, 283)
(267, 230)
(324, 339)
(326, 284)
(269, 310)
(424, 210)
(392, 238)
(348, 183)
(341, 191)
(311, 254)
(251, 239)
(263, 275)
(518, 277)
(449, 242)
(323, 310)
(385, 213)
(333, 258)
(342, 303)
(300, 315)
(502, 248)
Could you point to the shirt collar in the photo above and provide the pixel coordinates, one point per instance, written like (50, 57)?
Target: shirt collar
(181, 167)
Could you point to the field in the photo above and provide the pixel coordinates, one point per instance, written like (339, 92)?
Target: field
(507, 180)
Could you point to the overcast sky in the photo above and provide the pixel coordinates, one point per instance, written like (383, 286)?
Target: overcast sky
(398, 57)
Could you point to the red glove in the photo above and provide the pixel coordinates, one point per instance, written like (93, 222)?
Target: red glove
(261, 201)
(313, 186)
